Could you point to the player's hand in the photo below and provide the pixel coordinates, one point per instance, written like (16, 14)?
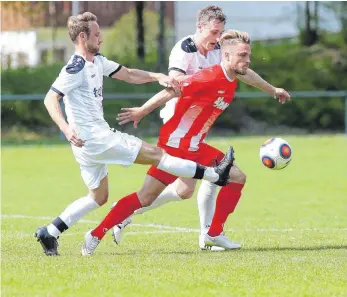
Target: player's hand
(281, 95)
(170, 82)
(131, 114)
(72, 137)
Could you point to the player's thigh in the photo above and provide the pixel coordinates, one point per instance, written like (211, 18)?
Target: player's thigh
(237, 175)
(150, 190)
(149, 154)
(185, 187)
(100, 194)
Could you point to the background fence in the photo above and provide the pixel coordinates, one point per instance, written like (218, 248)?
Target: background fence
(242, 95)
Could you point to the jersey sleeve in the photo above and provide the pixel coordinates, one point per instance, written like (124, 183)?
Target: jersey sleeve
(109, 67)
(179, 60)
(66, 82)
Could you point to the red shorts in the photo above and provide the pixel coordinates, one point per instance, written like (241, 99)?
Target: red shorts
(206, 155)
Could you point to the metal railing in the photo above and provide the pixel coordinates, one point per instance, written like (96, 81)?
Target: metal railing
(242, 95)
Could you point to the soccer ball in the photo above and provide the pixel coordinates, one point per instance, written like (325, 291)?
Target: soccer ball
(275, 153)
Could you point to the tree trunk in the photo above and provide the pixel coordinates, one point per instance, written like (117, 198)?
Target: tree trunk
(161, 41)
(140, 31)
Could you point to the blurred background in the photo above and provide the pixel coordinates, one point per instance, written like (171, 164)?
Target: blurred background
(300, 46)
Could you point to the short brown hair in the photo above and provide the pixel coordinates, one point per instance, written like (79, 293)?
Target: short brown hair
(210, 13)
(234, 36)
(80, 23)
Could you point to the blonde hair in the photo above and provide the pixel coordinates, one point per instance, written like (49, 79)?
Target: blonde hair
(210, 13)
(233, 37)
(80, 23)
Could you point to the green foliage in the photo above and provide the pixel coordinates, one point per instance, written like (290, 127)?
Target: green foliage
(286, 64)
(121, 40)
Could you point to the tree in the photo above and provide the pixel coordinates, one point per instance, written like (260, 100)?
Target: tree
(140, 31)
(309, 28)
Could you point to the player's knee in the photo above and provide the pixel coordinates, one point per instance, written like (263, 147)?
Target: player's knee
(238, 176)
(146, 198)
(185, 193)
(101, 198)
(155, 153)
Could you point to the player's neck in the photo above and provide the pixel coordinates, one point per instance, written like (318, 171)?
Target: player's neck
(198, 42)
(84, 53)
(232, 75)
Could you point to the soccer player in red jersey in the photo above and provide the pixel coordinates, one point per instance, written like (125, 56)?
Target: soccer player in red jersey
(205, 96)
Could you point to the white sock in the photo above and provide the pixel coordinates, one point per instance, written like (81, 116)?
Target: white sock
(206, 204)
(169, 194)
(73, 213)
(185, 168)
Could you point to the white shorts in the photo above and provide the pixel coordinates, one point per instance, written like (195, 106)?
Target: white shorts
(107, 148)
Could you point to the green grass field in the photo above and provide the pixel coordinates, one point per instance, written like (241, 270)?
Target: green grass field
(292, 225)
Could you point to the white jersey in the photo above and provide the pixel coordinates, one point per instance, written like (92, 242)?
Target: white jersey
(186, 58)
(80, 83)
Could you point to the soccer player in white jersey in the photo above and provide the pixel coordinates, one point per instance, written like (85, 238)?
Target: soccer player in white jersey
(93, 142)
(191, 54)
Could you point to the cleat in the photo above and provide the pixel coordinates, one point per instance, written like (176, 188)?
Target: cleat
(118, 230)
(48, 242)
(221, 241)
(224, 166)
(205, 247)
(90, 244)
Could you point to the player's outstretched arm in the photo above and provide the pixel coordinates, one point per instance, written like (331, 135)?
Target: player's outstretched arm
(135, 114)
(255, 80)
(53, 107)
(137, 76)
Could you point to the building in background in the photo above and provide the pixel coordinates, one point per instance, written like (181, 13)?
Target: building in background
(263, 20)
(35, 32)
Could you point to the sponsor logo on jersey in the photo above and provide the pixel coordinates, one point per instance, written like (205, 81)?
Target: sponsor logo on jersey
(97, 92)
(220, 104)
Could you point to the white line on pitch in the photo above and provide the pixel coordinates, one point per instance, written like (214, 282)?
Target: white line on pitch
(177, 229)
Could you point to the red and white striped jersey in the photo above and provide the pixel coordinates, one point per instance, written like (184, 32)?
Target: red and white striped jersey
(205, 95)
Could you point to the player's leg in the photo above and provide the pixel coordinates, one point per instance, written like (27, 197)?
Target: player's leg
(181, 189)
(95, 177)
(153, 155)
(227, 201)
(124, 208)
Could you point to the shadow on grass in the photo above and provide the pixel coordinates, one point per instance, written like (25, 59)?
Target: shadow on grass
(309, 248)
(243, 250)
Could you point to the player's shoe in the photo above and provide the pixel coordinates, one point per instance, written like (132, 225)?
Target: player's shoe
(49, 243)
(90, 244)
(205, 247)
(221, 241)
(224, 166)
(118, 230)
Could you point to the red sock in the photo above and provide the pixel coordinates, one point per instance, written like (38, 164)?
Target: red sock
(123, 209)
(227, 200)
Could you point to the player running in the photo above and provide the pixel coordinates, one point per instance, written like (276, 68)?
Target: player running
(205, 96)
(93, 143)
(191, 54)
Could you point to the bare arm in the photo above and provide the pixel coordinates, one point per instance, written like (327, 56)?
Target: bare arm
(253, 79)
(135, 114)
(53, 107)
(137, 76)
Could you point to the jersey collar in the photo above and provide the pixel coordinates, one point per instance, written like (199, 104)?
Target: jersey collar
(225, 73)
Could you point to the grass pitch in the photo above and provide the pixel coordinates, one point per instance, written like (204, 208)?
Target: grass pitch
(292, 225)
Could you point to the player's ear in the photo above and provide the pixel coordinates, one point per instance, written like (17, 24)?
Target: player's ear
(82, 36)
